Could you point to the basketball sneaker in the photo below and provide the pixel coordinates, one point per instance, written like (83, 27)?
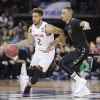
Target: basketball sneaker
(79, 85)
(84, 92)
(27, 91)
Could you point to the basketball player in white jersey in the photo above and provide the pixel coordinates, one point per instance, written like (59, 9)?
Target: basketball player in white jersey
(42, 34)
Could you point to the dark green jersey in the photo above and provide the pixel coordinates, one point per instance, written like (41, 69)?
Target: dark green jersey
(76, 35)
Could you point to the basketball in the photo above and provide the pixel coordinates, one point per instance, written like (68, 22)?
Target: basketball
(11, 51)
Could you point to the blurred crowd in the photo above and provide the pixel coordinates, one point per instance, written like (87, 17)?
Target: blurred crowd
(18, 6)
(11, 33)
(95, 55)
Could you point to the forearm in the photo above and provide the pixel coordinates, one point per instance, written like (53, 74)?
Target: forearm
(59, 40)
(53, 29)
(23, 43)
(57, 31)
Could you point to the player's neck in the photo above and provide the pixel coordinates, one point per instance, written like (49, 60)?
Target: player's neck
(68, 20)
(39, 24)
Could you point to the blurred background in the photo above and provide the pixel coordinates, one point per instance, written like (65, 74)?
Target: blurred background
(15, 19)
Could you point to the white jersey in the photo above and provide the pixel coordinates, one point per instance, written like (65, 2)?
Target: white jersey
(42, 40)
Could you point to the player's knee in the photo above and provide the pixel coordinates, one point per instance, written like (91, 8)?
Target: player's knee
(33, 69)
(34, 72)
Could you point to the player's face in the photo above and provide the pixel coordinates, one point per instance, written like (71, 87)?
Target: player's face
(65, 14)
(36, 18)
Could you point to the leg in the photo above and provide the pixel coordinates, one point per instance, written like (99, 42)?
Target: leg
(68, 63)
(31, 70)
(40, 64)
(34, 72)
(45, 60)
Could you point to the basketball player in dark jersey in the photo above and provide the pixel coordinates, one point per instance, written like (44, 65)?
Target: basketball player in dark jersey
(77, 47)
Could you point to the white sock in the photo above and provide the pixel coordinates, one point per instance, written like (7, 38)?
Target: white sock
(75, 76)
(24, 78)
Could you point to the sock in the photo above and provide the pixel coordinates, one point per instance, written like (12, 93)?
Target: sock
(24, 78)
(76, 77)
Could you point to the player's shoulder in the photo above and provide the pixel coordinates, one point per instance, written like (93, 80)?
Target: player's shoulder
(74, 20)
(44, 23)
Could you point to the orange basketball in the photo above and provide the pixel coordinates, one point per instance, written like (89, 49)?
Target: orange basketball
(11, 51)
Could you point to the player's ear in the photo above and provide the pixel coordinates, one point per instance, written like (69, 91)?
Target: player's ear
(41, 17)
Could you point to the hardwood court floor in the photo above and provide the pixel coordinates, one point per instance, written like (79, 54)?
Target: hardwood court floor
(47, 90)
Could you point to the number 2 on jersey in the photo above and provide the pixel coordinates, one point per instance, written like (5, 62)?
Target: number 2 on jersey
(39, 41)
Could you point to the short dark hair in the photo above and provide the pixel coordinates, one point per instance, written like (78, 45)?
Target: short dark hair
(38, 10)
(69, 8)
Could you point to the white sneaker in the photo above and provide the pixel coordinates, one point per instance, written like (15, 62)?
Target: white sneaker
(79, 85)
(84, 92)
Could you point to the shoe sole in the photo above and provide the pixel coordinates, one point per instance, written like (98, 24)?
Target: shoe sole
(78, 90)
(86, 92)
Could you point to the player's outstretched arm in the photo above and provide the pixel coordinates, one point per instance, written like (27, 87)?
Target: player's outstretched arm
(25, 43)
